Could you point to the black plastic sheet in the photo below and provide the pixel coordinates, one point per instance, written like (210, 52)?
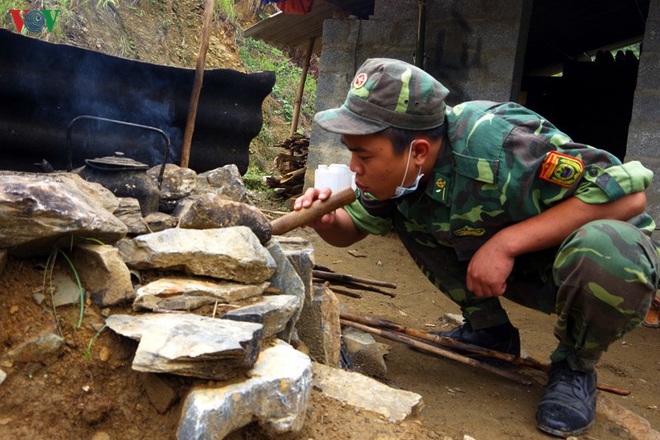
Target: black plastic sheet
(45, 86)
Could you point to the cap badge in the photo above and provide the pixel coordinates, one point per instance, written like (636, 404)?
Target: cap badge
(360, 81)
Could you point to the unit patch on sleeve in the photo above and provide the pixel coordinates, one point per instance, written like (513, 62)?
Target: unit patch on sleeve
(561, 169)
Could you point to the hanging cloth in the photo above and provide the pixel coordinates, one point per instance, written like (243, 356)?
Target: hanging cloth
(293, 6)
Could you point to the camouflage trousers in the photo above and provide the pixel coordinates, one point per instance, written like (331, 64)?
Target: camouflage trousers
(600, 283)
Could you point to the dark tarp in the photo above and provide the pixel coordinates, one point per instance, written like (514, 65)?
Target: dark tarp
(44, 86)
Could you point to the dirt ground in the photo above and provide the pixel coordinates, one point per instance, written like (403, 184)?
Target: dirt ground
(90, 392)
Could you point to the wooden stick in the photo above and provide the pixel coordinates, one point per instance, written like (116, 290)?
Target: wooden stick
(346, 292)
(270, 211)
(613, 390)
(441, 340)
(331, 276)
(450, 342)
(398, 337)
(301, 87)
(197, 84)
(293, 174)
(369, 288)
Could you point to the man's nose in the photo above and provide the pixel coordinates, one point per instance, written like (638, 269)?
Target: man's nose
(354, 166)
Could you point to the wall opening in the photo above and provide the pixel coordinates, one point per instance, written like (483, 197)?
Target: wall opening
(582, 75)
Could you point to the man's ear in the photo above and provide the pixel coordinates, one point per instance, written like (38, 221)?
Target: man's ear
(420, 151)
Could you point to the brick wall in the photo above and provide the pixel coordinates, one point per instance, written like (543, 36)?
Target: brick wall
(644, 133)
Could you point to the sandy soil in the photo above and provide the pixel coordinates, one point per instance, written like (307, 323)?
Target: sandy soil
(460, 399)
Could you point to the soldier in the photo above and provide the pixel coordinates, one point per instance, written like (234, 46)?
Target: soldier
(492, 200)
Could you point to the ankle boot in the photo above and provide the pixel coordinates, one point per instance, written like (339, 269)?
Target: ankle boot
(568, 403)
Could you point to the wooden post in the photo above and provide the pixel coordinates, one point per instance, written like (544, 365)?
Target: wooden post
(421, 35)
(197, 84)
(301, 87)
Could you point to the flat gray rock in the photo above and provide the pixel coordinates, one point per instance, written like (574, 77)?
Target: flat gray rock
(275, 395)
(232, 253)
(366, 393)
(188, 294)
(273, 311)
(190, 345)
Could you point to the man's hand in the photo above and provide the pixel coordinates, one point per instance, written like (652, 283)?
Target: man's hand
(488, 270)
(306, 200)
(337, 227)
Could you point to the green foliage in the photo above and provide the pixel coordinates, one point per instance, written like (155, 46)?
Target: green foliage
(224, 8)
(105, 4)
(47, 285)
(88, 352)
(128, 47)
(137, 11)
(254, 180)
(258, 56)
(94, 240)
(80, 289)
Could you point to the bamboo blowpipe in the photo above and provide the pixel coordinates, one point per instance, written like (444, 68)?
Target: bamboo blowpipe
(319, 208)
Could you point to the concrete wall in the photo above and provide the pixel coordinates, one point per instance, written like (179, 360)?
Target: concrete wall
(644, 133)
(474, 47)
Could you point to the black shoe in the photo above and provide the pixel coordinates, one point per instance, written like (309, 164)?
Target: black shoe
(504, 338)
(568, 403)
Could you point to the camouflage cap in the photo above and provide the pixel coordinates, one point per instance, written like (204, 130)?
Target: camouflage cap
(387, 93)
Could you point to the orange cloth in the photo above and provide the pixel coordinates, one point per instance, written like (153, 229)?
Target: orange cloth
(653, 317)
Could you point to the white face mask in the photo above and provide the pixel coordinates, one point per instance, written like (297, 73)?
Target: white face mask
(402, 190)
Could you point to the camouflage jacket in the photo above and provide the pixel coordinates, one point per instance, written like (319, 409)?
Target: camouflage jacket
(500, 164)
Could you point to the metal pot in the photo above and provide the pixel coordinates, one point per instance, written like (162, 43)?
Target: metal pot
(125, 177)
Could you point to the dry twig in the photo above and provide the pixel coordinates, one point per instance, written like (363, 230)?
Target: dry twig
(417, 338)
(343, 278)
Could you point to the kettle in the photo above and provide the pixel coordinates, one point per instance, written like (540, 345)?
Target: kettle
(123, 176)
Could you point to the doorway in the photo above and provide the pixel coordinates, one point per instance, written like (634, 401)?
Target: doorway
(580, 68)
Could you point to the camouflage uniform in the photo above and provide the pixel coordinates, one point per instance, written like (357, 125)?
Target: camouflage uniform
(501, 164)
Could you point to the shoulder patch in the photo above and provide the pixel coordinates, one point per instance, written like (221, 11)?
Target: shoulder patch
(561, 169)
